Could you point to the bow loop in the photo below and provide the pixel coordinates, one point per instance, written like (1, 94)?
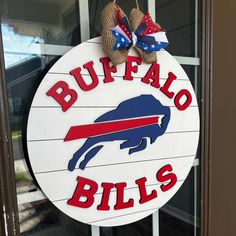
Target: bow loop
(149, 37)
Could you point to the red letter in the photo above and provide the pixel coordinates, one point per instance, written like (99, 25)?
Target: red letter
(105, 197)
(188, 101)
(164, 178)
(153, 75)
(120, 204)
(60, 97)
(143, 192)
(165, 88)
(130, 68)
(76, 73)
(80, 191)
(108, 69)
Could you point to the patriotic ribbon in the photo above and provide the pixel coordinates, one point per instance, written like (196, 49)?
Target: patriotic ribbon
(148, 37)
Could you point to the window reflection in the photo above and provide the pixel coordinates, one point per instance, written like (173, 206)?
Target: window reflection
(13, 43)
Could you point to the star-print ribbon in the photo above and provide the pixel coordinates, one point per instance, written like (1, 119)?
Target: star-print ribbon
(148, 37)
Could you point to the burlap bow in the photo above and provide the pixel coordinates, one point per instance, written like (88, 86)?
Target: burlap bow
(119, 34)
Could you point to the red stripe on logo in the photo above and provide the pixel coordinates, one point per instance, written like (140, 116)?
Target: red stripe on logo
(96, 129)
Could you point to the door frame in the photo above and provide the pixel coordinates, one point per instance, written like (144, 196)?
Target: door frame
(9, 220)
(218, 134)
(207, 21)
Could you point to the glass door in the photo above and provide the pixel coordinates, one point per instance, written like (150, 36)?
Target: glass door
(35, 35)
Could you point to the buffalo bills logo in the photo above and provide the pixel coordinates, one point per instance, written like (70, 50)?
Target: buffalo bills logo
(133, 121)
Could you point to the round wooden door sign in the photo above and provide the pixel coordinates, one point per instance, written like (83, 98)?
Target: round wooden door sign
(109, 145)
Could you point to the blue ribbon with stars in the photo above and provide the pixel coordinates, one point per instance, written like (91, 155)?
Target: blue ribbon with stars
(146, 43)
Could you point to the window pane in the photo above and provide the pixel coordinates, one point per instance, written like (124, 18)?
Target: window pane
(177, 216)
(178, 18)
(182, 22)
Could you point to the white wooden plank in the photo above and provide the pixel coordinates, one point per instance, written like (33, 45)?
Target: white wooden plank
(112, 97)
(41, 131)
(38, 195)
(105, 218)
(55, 181)
(181, 145)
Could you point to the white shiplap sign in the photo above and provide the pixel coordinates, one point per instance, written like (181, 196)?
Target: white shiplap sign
(109, 144)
